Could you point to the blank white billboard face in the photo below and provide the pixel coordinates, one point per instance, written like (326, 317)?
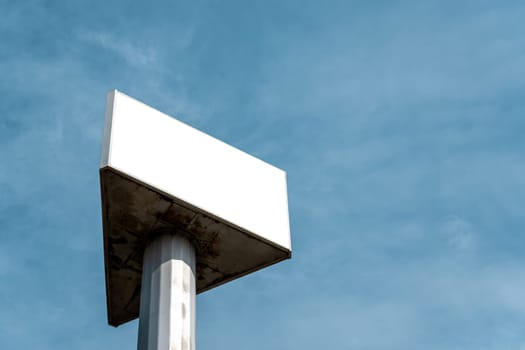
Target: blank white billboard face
(159, 173)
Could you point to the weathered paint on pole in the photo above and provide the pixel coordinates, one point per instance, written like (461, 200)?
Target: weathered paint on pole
(167, 302)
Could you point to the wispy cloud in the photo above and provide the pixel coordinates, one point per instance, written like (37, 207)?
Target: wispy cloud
(459, 232)
(135, 54)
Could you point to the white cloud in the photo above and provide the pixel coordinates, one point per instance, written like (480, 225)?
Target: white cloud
(459, 233)
(134, 54)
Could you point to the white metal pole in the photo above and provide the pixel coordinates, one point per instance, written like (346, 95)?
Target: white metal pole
(167, 301)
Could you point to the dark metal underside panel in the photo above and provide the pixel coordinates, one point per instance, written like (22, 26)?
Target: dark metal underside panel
(131, 211)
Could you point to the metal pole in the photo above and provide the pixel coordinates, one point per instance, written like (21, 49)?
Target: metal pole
(167, 301)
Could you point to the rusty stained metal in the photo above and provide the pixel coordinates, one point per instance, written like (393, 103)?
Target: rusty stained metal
(133, 212)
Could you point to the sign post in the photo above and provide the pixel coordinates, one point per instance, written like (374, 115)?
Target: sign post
(167, 301)
(182, 213)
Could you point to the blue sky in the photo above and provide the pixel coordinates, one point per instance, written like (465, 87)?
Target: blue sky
(400, 125)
